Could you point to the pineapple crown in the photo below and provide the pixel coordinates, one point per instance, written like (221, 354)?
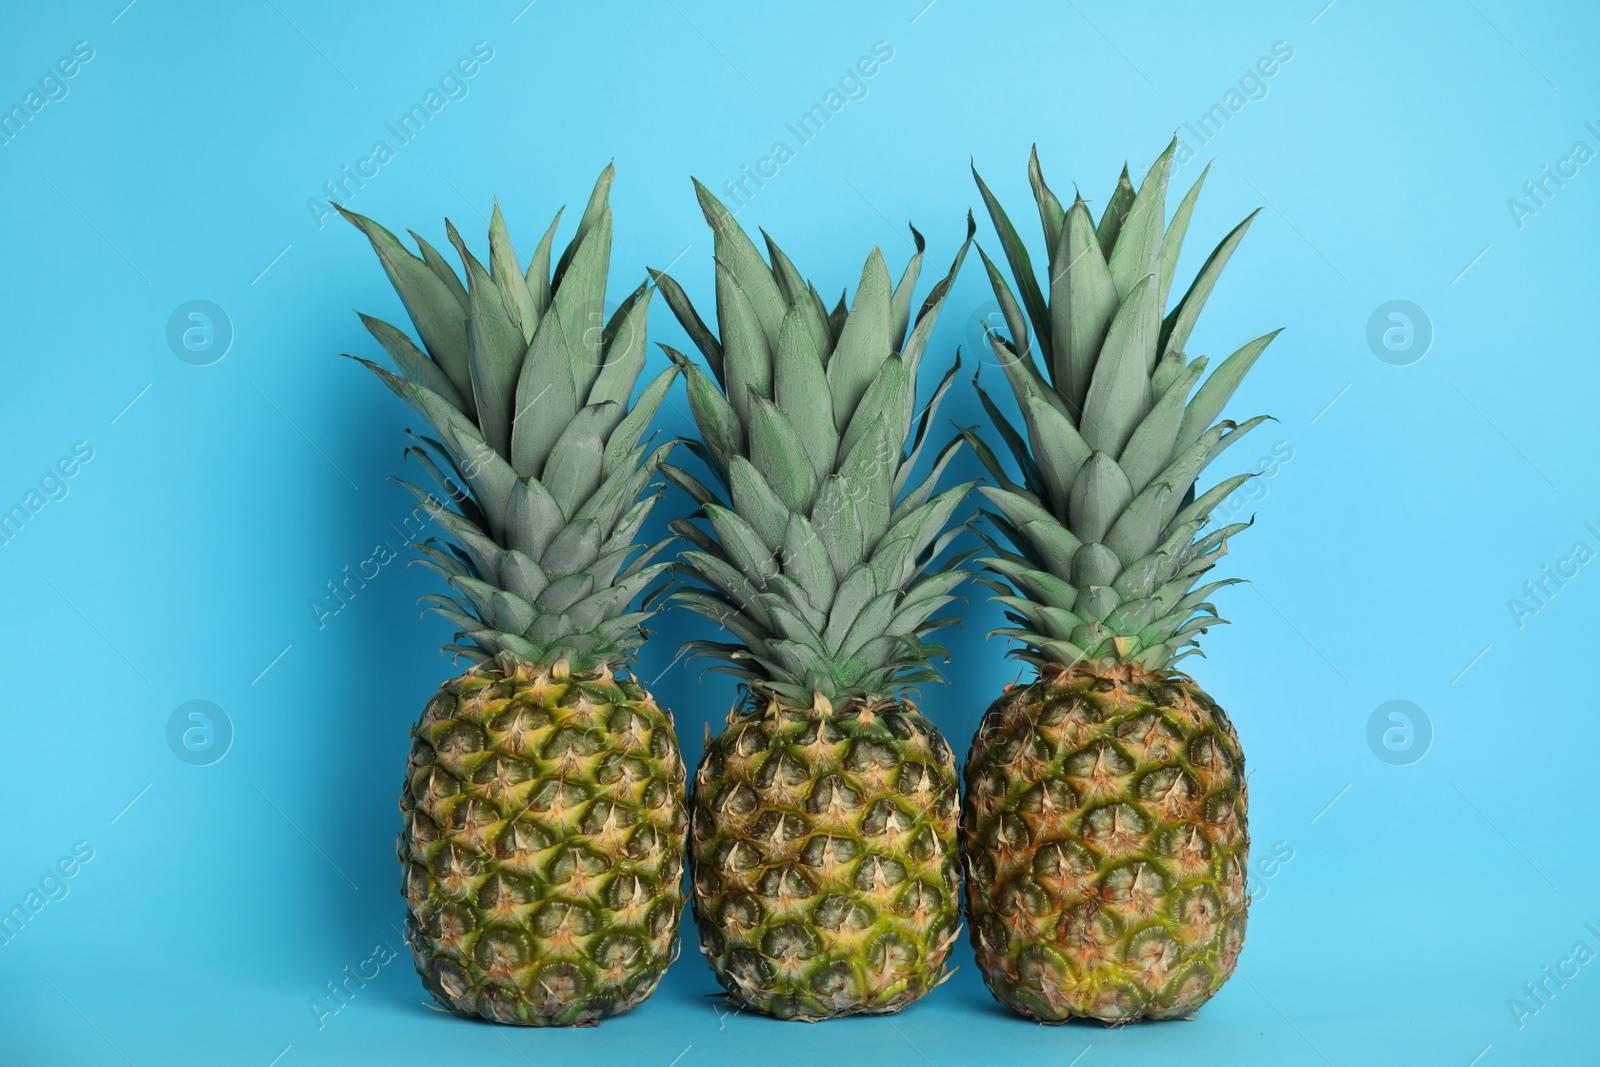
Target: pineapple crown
(1101, 545)
(528, 396)
(815, 553)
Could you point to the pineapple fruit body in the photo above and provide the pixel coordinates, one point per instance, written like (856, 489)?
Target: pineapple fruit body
(543, 844)
(1106, 846)
(1104, 831)
(825, 872)
(824, 817)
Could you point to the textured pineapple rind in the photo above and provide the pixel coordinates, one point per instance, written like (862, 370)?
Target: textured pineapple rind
(542, 845)
(826, 880)
(1106, 844)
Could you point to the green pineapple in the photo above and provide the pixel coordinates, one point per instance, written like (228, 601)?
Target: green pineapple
(823, 819)
(1104, 825)
(543, 811)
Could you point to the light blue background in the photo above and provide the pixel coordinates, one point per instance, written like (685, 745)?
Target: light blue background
(181, 563)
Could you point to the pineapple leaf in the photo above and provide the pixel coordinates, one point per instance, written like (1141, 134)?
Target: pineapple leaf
(719, 425)
(434, 309)
(1117, 208)
(546, 397)
(1172, 242)
(924, 423)
(594, 212)
(1119, 392)
(1083, 302)
(537, 277)
(534, 518)
(508, 277)
(1051, 215)
(625, 435)
(864, 343)
(442, 269)
(738, 253)
(1151, 446)
(1137, 252)
(496, 347)
(778, 453)
(625, 353)
(747, 358)
(1217, 389)
(572, 473)
(1022, 270)
(754, 499)
(574, 549)
(1178, 325)
(805, 558)
(1061, 452)
(900, 305)
(800, 387)
(415, 364)
(691, 322)
(1099, 495)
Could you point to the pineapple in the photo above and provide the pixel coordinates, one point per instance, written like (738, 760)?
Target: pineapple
(823, 820)
(543, 810)
(1104, 825)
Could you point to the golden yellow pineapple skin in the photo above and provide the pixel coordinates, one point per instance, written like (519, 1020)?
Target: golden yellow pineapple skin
(543, 844)
(823, 849)
(1106, 843)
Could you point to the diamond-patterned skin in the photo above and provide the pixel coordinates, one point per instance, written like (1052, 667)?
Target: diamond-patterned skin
(825, 872)
(1106, 844)
(543, 844)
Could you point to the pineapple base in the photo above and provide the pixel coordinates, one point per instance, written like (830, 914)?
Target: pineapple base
(823, 846)
(542, 845)
(1105, 839)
